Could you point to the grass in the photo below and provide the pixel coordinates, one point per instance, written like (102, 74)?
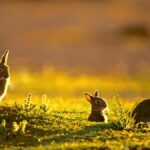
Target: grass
(59, 120)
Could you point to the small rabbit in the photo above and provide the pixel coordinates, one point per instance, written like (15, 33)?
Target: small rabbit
(141, 113)
(97, 107)
(4, 75)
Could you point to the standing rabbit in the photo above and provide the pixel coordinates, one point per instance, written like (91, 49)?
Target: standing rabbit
(98, 105)
(141, 112)
(4, 75)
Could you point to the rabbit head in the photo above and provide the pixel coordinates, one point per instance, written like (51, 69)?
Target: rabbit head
(97, 103)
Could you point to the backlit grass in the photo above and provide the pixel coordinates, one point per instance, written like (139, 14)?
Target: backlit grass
(55, 117)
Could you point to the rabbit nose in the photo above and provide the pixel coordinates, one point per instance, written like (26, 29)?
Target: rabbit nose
(103, 104)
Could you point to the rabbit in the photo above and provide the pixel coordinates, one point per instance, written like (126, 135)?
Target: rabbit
(98, 105)
(141, 113)
(4, 75)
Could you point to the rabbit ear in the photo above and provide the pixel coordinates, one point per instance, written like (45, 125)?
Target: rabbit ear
(88, 97)
(96, 94)
(5, 57)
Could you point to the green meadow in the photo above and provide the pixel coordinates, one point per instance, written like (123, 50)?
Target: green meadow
(47, 110)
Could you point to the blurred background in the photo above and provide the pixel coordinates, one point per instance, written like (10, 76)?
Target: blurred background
(97, 36)
(63, 48)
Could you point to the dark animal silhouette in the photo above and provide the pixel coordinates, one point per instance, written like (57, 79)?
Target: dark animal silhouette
(141, 113)
(98, 105)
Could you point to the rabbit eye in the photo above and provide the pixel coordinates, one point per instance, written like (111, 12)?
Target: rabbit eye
(97, 102)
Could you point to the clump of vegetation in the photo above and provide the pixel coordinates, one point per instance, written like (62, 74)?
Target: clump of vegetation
(22, 119)
(122, 116)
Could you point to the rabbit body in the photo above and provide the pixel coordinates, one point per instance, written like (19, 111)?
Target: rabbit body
(97, 116)
(141, 112)
(3, 87)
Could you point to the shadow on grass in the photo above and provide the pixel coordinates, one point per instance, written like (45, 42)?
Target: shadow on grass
(85, 134)
(44, 137)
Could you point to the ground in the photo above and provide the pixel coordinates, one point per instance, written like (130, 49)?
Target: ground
(54, 114)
